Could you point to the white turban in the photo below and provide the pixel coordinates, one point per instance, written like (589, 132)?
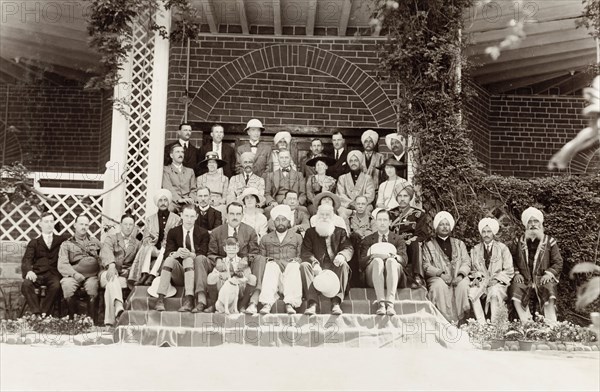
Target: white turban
(282, 210)
(531, 212)
(161, 193)
(282, 135)
(369, 134)
(440, 216)
(356, 153)
(248, 154)
(491, 223)
(391, 136)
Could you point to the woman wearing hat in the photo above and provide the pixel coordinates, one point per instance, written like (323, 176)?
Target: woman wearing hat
(319, 182)
(333, 200)
(214, 180)
(386, 197)
(281, 141)
(253, 216)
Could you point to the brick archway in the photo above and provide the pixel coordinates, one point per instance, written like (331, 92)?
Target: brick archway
(274, 56)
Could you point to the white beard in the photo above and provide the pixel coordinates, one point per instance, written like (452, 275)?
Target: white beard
(534, 234)
(324, 229)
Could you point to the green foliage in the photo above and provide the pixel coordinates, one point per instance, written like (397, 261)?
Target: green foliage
(423, 55)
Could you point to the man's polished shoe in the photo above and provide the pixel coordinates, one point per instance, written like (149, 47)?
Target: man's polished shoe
(199, 308)
(251, 309)
(188, 304)
(143, 279)
(160, 304)
(210, 309)
(336, 310)
(311, 309)
(289, 309)
(381, 309)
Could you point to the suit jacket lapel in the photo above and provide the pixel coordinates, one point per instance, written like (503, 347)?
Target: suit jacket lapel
(360, 182)
(276, 178)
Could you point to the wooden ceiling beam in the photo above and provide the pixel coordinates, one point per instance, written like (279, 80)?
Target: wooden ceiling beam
(209, 13)
(575, 83)
(277, 17)
(513, 84)
(65, 72)
(311, 17)
(243, 18)
(10, 34)
(542, 87)
(51, 56)
(344, 17)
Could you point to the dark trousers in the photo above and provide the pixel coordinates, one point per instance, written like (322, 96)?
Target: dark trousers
(37, 304)
(308, 288)
(415, 264)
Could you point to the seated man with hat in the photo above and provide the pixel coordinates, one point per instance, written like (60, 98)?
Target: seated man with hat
(282, 141)
(382, 260)
(538, 265)
(491, 272)
(373, 159)
(261, 150)
(320, 181)
(281, 250)
(283, 180)
(325, 248)
(246, 179)
(396, 142)
(388, 190)
(353, 184)
(447, 265)
(156, 227)
(213, 179)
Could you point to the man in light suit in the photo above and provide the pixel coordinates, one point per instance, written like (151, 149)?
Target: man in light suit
(191, 152)
(383, 270)
(248, 242)
(261, 150)
(208, 217)
(340, 154)
(179, 180)
(246, 179)
(325, 247)
(39, 267)
(283, 180)
(225, 151)
(116, 255)
(187, 246)
(281, 248)
(156, 228)
(353, 184)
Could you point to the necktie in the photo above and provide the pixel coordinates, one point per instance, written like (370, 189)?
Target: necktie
(185, 147)
(247, 179)
(486, 256)
(337, 155)
(383, 238)
(188, 241)
(48, 241)
(235, 234)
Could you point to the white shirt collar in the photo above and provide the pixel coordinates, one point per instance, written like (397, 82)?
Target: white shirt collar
(217, 147)
(231, 230)
(398, 157)
(204, 208)
(443, 238)
(47, 237)
(178, 167)
(387, 235)
(281, 236)
(184, 143)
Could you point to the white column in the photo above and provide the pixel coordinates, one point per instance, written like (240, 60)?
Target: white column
(114, 201)
(158, 118)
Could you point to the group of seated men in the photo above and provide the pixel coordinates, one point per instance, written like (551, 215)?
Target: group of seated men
(289, 254)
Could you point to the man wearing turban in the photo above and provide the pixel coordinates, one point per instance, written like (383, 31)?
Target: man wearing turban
(396, 142)
(282, 141)
(447, 264)
(246, 179)
(373, 159)
(353, 184)
(538, 264)
(281, 248)
(409, 222)
(149, 258)
(491, 272)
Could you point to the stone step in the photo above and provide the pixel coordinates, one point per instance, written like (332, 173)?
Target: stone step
(358, 301)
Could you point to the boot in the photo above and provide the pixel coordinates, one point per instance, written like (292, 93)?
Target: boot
(160, 303)
(72, 306)
(143, 279)
(188, 304)
(92, 310)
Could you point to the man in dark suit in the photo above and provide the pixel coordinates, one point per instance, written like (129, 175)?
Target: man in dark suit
(39, 267)
(225, 151)
(286, 179)
(340, 154)
(261, 150)
(382, 265)
(191, 155)
(248, 242)
(325, 247)
(208, 217)
(186, 246)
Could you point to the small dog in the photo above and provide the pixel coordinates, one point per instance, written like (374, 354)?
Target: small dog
(227, 301)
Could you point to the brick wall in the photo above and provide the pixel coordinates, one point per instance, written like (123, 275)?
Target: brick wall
(476, 115)
(321, 82)
(527, 130)
(58, 126)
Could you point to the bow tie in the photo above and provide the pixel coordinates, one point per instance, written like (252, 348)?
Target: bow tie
(287, 169)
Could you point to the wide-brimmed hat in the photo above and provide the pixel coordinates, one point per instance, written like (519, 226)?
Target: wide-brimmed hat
(260, 199)
(332, 196)
(254, 123)
(211, 156)
(153, 289)
(392, 162)
(329, 161)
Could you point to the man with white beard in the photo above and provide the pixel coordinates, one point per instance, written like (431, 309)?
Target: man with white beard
(538, 264)
(325, 247)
